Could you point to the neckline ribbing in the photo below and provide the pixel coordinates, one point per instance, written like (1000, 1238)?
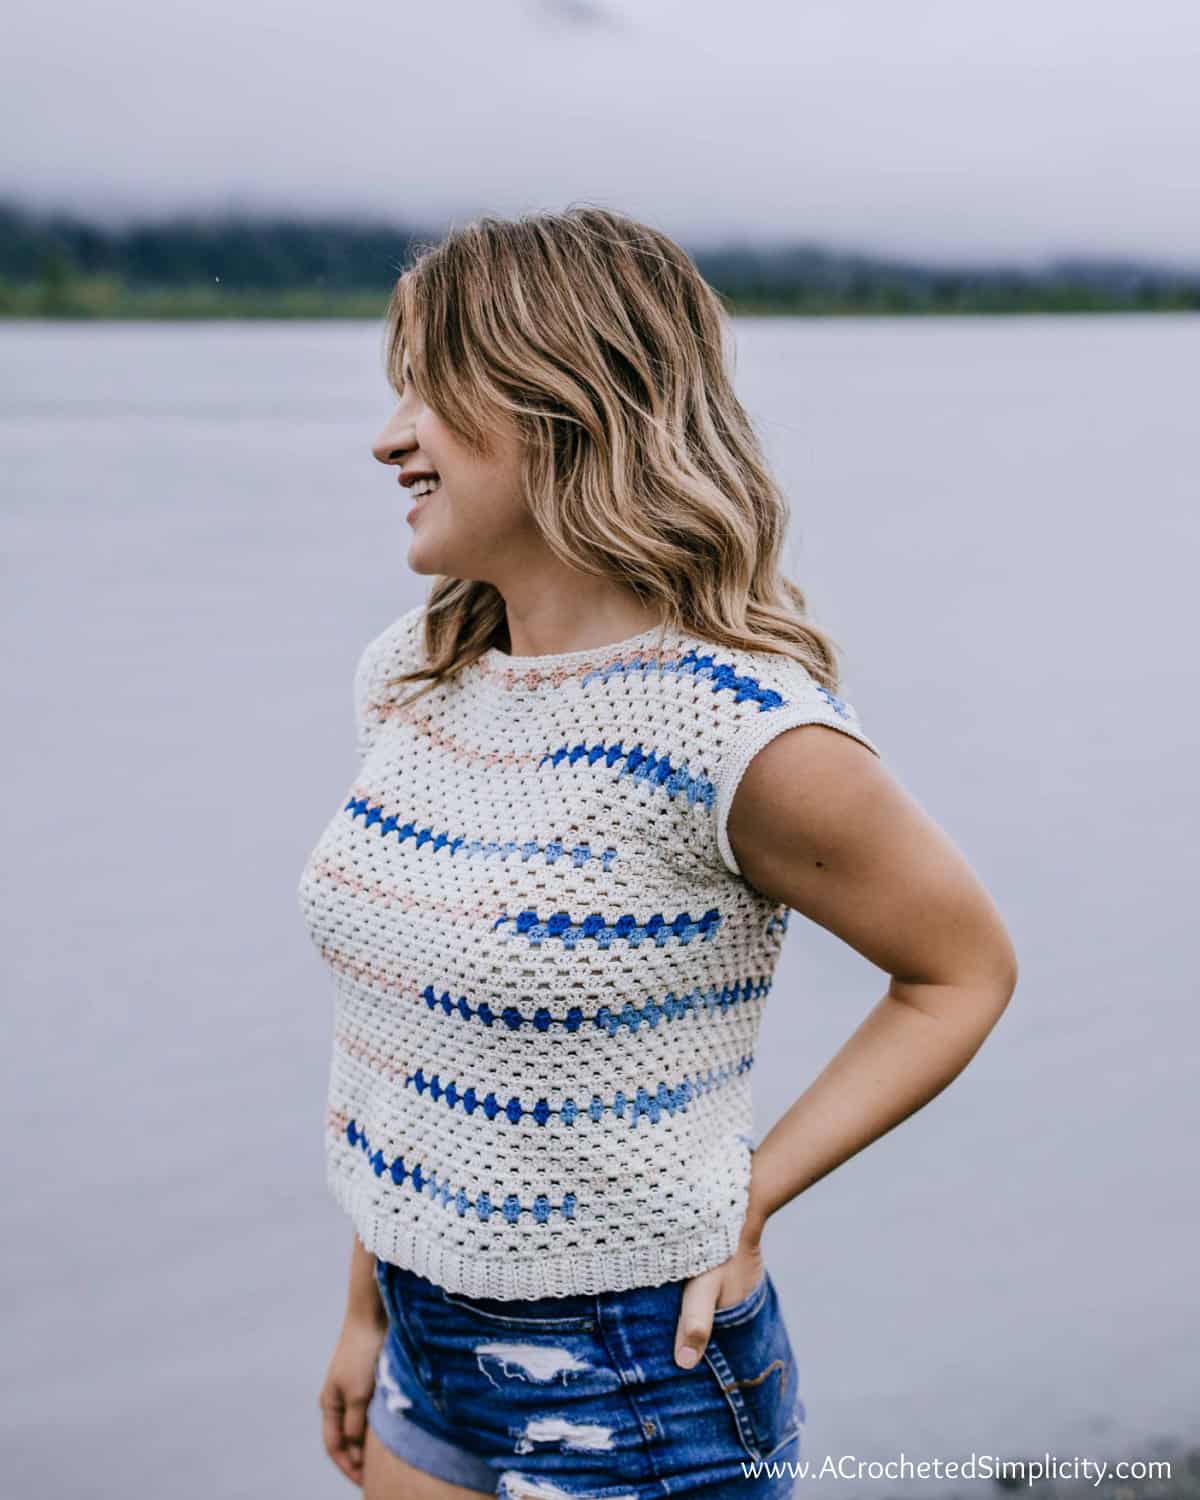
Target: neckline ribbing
(496, 659)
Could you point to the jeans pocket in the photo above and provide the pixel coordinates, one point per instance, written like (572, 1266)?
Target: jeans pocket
(750, 1354)
(573, 1314)
(743, 1308)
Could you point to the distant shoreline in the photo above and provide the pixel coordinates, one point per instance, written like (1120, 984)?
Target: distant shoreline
(101, 299)
(64, 267)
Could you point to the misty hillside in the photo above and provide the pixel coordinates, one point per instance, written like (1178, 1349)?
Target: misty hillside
(59, 264)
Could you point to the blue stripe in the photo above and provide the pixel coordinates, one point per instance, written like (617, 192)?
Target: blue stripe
(655, 769)
(643, 1102)
(746, 689)
(529, 925)
(622, 668)
(726, 678)
(672, 1008)
(579, 854)
(512, 1208)
(658, 769)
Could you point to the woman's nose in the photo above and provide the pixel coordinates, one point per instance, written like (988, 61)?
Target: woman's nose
(396, 439)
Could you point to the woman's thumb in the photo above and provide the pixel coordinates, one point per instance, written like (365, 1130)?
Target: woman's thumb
(695, 1321)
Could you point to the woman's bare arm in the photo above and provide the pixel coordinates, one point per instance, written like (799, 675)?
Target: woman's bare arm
(818, 822)
(363, 1302)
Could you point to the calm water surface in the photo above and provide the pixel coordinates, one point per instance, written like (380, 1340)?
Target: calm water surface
(996, 519)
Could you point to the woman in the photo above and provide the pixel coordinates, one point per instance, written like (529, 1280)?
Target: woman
(554, 898)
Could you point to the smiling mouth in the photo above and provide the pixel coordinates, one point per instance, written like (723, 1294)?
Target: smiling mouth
(422, 487)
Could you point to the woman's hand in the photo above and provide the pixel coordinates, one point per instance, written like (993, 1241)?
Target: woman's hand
(349, 1385)
(724, 1285)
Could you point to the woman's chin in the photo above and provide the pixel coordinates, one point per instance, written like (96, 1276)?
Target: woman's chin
(425, 555)
(420, 559)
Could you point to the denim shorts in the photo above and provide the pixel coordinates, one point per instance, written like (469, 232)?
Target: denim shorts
(580, 1398)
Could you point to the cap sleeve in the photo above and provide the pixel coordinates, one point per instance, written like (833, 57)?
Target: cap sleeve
(396, 649)
(784, 696)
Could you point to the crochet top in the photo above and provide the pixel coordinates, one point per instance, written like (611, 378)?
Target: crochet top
(549, 973)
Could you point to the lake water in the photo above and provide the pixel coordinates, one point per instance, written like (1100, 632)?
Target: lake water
(998, 521)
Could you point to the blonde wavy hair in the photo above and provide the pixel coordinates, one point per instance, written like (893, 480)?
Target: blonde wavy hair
(599, 338)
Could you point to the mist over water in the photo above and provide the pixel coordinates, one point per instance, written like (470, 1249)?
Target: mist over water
(998, 522)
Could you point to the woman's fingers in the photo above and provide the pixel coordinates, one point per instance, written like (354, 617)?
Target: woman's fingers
(694, 1327)
(354, 1429)
(346, 1394)
(331, 1431)
(335, 1417)
(740, 1274)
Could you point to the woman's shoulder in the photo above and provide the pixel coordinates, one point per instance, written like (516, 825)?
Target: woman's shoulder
(743, 682)
(744, 699)
(397, 648)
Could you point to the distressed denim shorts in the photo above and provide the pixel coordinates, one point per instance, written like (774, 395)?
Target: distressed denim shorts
(580, 1398)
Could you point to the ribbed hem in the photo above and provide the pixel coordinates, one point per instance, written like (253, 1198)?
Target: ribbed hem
(521, 1278)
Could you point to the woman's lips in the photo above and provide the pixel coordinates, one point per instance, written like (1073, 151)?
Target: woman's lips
(419, 502)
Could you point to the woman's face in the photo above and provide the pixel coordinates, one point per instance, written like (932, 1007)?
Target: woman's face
(475, 524)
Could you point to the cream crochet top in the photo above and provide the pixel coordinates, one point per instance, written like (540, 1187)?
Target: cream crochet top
(549, 972)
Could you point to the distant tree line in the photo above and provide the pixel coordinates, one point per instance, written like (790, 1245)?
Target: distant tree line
(60, 264)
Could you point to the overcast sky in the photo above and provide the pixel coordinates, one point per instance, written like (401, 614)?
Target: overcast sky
(936, 127)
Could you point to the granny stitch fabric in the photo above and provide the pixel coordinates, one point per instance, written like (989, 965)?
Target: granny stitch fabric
(549, 972)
